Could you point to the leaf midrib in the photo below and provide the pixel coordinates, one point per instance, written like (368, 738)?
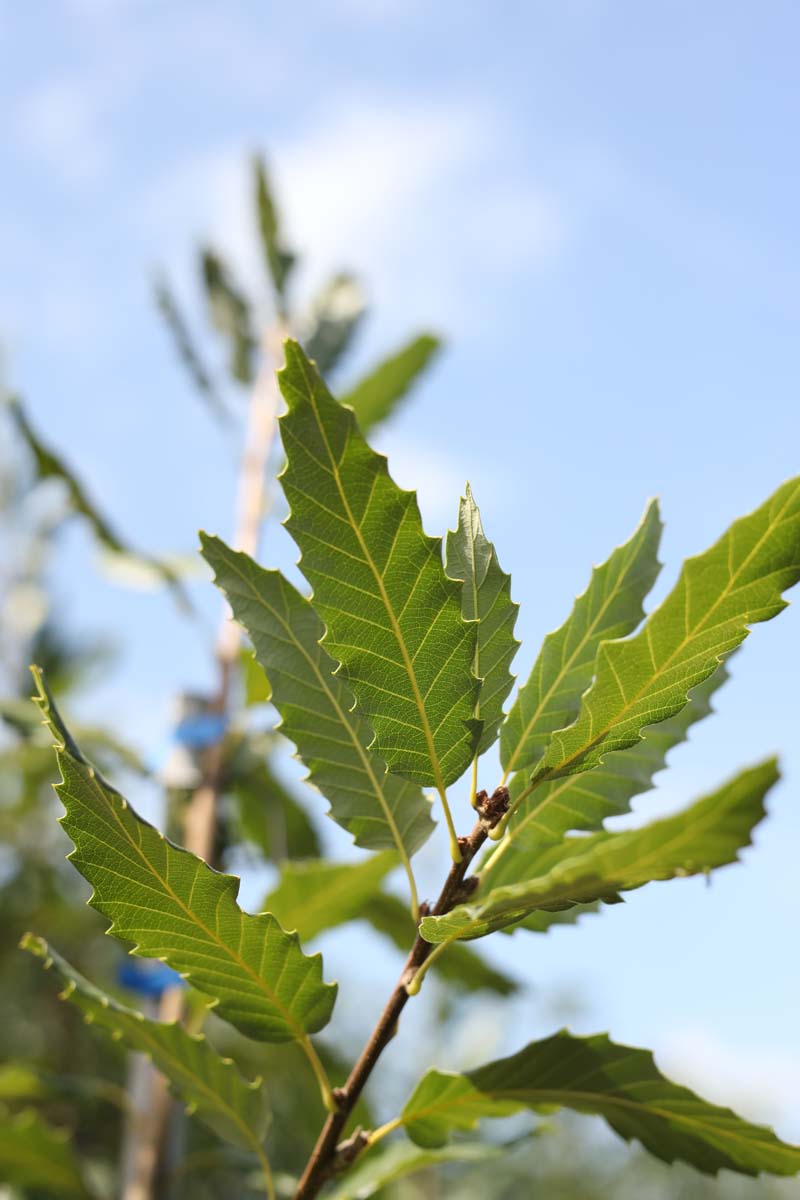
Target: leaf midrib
(362, 753)
(299, 1030)
(772, 525)
(564, 669)
(407, 662)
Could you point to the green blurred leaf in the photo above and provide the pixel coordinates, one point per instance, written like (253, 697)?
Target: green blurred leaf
(485, 598)
(386, 1164)
(314, 896)
(269, 816)
(378, 394)
(379, 810)
(174, 907)
(393, 617)
(580, 870)
(719, 594)
(230, 315)
(208, 1084)
(279, 261)
(35, 1155)
(50, 466)
(611, 607)
(595, 1076)
(334, 319)
(187, 351)
(257, 689)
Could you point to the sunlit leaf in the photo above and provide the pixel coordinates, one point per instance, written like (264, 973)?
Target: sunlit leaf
(393, 617)
(172, 906)
(595, 1076)
(388, 1163)
(580, 870)
(719, 594)
(486, 599)
(314, 896)
(208, 1084)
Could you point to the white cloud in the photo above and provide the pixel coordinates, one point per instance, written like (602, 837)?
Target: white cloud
(419, 198)
(58, 122)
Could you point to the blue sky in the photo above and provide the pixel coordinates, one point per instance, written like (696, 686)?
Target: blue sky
(596, 204)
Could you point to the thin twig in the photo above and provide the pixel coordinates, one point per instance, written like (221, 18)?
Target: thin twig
(323, 1159)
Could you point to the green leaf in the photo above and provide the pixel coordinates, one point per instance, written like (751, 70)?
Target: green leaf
(719, 594)
(257, 688)
(610, 607)
(393, 617)
(580, 870)
(334, 319)
(377, 395)
(33, 1154)
(386, 1164)
(50, 466)
(314, 896)
(208, 1084)
(269, 817)
(461, 966)
(595, 1076)
(485, 598)
(379, 810)
(174, 907)
(230, 315)
(279, 261)
(187, 351)
(547, 812)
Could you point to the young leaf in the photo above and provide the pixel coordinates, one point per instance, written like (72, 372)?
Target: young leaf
(386, 1164)
(207, 1083)
(593, 1075)
(485, 598)
(610, 607)
(377, 395)
(379, 810)
(719, 594)
(279, 261)
(461, 966)
(187, 351)
(314, 896)
(546, 813)
(393, 617)
(173, 906)
(335, 317)
(35, 1155)
(230, 315)
(580, 870)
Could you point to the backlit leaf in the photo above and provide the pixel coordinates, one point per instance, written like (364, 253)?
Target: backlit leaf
(378, 394)
(393, 617)
(485, 598)
(173, 906)
(208, 1084)
(595, 1076)
(580, 870)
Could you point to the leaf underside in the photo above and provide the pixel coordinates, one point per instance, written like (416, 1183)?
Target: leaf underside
(486, 599)
(595, 1076)
(393, 618)
(580, 870)
(172, 906)
(208, 1084)
(378, 809)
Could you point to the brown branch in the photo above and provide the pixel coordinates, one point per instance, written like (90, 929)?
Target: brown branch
(324, 1157)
